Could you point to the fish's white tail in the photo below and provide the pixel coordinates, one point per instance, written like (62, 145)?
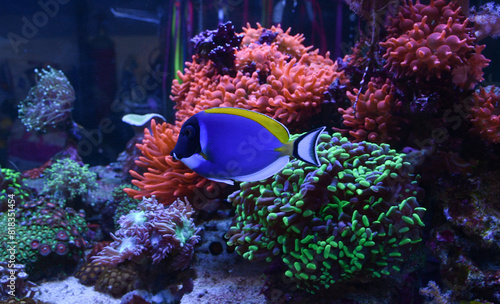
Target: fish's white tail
(304, 147)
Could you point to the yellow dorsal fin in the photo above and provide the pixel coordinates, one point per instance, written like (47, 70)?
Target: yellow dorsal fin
(275, 127)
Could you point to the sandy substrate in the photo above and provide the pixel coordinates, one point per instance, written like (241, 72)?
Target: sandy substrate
(221, 279)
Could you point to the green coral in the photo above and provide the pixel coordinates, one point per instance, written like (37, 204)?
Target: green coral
(354, 218)
(11, 183)
(67, 180)
(44, 233)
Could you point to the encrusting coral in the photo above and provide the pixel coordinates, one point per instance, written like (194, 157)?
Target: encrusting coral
(153, 233)
(49, 103)
(353, 219)
(485, 113)
(428, 41)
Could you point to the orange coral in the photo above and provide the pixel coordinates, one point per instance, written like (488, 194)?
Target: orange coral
(485, 113)
(428, 40)
(373, 118)
(267, 80)
(165, 178)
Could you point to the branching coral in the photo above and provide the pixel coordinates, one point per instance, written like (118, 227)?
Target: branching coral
(485, 113)
(429, 41)
(67, 180)
(371, 116)
(152, 234)
(45, 231)
(166, 178)
(352, 219)
(49, 103)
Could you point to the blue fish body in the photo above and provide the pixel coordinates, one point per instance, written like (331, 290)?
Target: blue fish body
(226, 144)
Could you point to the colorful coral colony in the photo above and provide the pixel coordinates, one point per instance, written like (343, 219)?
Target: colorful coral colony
(412, 138)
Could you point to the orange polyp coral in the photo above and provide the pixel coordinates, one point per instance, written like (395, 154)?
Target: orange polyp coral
(428, 40)
(165, 178)
(373, 118)
(485, 113)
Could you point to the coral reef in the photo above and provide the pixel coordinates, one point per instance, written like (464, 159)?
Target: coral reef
(11, 183)
(49, 103)
(371, 114)
(45, 232)
(287, 85)
(154, 234)
(67, 180)
(166, 178)
(486, 20)
(433, 292)
(485, 113)
(353, 219)
(428, 41)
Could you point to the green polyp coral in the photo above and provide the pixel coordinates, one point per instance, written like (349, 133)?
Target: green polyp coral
(47, 236)
(11, 183)
(352, 219)
(67, 180)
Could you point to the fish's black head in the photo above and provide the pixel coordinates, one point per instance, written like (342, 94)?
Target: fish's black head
(188, 142)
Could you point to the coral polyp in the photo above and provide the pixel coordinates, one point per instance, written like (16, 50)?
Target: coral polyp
(485, 113)
(49, 103)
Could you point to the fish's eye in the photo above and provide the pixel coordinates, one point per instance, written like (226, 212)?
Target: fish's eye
(189, 131)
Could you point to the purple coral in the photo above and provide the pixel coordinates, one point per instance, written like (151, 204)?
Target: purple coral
(154, 233)
(49, 102)
(219, 46)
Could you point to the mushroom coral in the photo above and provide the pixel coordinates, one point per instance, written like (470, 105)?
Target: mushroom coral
(153, 233)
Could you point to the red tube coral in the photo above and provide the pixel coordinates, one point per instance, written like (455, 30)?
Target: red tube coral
(429, 41)
(485, 113)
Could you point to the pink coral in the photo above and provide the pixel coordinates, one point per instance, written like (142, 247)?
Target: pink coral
(428, 41)
(371, 116)
(485, 113)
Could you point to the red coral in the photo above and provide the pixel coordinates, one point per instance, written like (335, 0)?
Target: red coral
(372, 118)
(431, 40)
(165, 178)
(485, 113)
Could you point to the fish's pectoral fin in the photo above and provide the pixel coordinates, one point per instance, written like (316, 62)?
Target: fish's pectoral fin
(268, 171)
(225, 181)
(304, 147)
